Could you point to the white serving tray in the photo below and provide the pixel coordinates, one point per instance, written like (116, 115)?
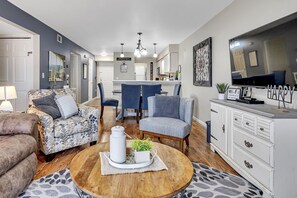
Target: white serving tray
(126, 165)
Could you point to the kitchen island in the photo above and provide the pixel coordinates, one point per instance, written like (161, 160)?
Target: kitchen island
(167, 86)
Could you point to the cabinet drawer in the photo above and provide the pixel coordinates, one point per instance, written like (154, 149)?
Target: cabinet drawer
(254, 167)
(256, 146)
(249, 123)
(263, 128)
(237, 118)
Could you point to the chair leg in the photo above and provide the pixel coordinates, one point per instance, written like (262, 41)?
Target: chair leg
(116, 111)
(159, 139)
(123, 111)
(137, 116)
(187, 141)
(49, 157)
(141, 113)
(141, 135)
(102, 110)
(181, 145)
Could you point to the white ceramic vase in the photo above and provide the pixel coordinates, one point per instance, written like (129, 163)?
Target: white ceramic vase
(221, 96)
(142, 156)
(118, 144)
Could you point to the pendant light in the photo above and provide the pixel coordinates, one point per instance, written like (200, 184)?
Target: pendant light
(155, 51)
(122, 53)
(140, 50)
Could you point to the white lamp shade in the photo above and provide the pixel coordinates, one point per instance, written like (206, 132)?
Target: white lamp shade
(7, 93)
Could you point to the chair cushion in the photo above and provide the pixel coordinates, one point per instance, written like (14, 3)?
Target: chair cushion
(48, 105)
(14, 149)
(72, 125)
(67, 106)
(166, 106)
(110, 102)
(165, 126)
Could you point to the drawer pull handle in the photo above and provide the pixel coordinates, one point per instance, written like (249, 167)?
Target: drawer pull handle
(213, 111)
(248, 144)
(247, 123)
(261, 129)
(223, 128)
(248, 165)
(235, 119)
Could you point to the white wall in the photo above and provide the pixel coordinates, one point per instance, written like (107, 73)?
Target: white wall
(118, 75)
(238, 18)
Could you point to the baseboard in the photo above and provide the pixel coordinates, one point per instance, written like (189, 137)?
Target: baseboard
(200, 121)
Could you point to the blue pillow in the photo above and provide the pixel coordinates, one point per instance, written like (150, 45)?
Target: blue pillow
(166, 106)
(48, 105)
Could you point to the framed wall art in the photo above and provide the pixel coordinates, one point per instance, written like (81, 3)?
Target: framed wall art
(56, 67)
(253, 59)
(202, 63)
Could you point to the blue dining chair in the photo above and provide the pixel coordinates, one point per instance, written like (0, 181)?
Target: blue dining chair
(176, 90)
(147, 91)
(131, 99)
(106, 102)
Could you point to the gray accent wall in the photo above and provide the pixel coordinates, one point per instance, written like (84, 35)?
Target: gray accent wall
(48, 42)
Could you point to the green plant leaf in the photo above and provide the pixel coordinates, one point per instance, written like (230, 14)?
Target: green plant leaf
(142, 145)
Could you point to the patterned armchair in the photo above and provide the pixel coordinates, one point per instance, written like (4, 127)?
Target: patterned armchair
(60, 134)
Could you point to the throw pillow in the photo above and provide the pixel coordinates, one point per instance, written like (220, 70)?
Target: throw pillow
(166, 106)
(48, 105)
(67, 106)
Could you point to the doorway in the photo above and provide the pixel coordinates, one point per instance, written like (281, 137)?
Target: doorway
(140, 71)
(19, 61)
(75, 74)
(105, 75)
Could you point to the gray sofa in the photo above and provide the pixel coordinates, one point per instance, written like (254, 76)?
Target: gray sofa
(18, 162)
(167, 127)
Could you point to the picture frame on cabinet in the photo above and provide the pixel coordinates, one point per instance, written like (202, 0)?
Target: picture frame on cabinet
(202, 63)
(233, 93)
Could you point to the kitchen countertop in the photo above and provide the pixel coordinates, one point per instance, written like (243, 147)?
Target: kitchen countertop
(147, 81)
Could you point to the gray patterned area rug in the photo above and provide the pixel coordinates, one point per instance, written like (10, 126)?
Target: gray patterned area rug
(207, 182)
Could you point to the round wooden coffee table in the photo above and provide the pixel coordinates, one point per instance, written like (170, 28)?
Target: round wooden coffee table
(85, 170)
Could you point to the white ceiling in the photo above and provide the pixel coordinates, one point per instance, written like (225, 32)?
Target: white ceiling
(101, 25)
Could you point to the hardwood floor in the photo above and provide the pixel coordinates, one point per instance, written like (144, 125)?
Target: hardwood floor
(198, 151)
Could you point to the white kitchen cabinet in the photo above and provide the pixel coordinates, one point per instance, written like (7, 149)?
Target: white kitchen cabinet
(259, 142)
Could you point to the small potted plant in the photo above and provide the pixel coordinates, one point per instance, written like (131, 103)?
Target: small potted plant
(142, 150)
(222, 88)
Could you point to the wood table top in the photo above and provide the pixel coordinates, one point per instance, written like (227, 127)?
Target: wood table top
(85, 170)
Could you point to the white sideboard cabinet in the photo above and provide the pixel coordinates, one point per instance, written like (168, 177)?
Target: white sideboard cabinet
(259, 142)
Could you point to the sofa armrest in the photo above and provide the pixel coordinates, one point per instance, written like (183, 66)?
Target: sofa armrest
(186, 110)
(91, 113)
(46, 133)
(17, 123)
(151, 105)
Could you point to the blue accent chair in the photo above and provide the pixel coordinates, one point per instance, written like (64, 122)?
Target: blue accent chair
(147, 91)
(106, 102)
(131, 99)
(176, 90)
(178, 129)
